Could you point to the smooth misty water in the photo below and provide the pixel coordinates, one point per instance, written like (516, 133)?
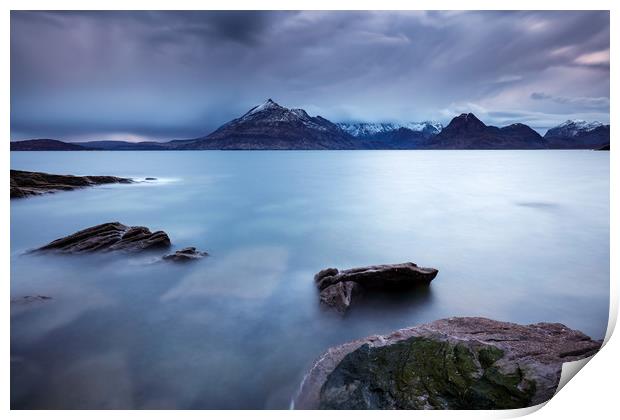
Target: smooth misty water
(516, 235)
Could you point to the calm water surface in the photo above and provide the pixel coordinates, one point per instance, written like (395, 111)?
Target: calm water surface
(519, 236)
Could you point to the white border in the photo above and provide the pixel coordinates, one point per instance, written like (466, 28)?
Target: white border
(593, 395)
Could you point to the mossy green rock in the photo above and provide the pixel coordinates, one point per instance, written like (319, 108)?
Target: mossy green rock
(455, 363)
(422, 373)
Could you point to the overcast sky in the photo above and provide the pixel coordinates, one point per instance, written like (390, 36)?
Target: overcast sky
(174, 75)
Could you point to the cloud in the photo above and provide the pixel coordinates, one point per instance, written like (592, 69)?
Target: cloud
(586, 102)
(594, 58)
(509, 78)
(180, 74)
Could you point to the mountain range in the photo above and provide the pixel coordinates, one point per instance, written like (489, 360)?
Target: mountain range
(270, 126)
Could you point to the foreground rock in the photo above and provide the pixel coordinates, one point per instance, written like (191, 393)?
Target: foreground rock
(455, 363)
(113, 236)
(185, 255)
(24, 184)
(338, 288)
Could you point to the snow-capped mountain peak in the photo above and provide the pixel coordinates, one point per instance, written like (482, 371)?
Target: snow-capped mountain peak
(424, 125)
(576, 134)
(300, 113)
(572, 128)
(581, 125)
(370, 129)
(267, 105)
(272, 126)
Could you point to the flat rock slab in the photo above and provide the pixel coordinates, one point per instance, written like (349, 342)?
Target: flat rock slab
(454, 363)
(185, 255)
(25, 184)
(338, 288)
(383, 277)
(113, 236)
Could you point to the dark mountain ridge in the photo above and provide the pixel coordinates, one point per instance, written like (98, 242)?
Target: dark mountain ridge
(467, 132)
(46, 144)
(270, 126)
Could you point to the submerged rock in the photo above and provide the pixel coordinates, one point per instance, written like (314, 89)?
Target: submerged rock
(113, 236)
(25, 300)
(337, 288)
(185, 255)
(455, 363)
(24, 183)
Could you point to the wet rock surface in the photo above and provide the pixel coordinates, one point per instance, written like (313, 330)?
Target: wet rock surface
(338, 288)
(185, 255)
(340, 295)
(113, 236)
(25, 184)
(454, 363)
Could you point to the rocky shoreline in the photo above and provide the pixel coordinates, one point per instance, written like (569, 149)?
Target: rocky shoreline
(26, 184)
(454, 363)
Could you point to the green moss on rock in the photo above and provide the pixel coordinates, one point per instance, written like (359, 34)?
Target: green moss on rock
(423, 373)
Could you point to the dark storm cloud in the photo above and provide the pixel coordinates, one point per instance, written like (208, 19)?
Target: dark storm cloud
(163, 75)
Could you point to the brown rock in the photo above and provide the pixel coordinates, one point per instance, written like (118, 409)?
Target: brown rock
(113, 236)
(337, 288)
(340, 295)
(387, 276)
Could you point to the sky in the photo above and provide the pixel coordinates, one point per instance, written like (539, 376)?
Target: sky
(140, 75)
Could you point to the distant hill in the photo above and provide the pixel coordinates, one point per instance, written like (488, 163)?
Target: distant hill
(124, 145)
(578, 134)
(45, 145)
(467, 132)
